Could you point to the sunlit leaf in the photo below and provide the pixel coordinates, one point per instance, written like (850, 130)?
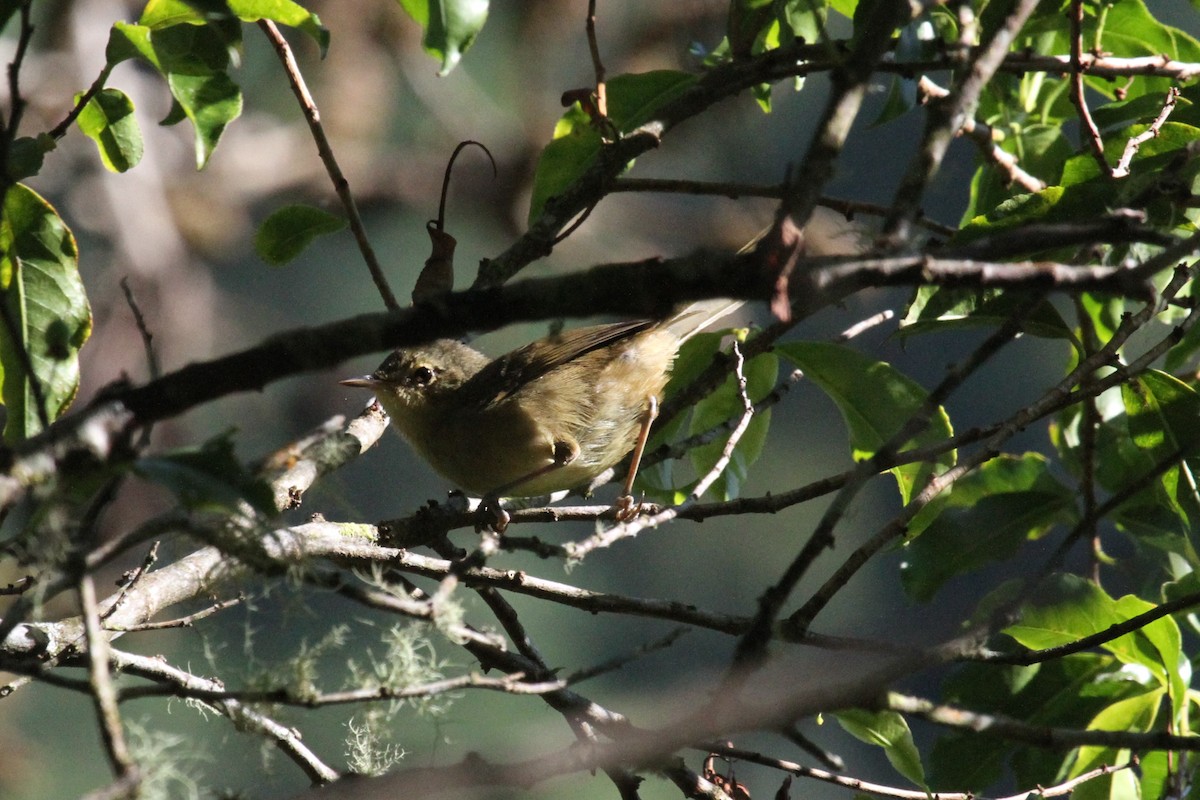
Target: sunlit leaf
(1069, 608)
(934, 308)
(889, 730)
(450, 27)
(45, 307)
(875, 399)
(108, 120)
(632, 101)
(193, 59)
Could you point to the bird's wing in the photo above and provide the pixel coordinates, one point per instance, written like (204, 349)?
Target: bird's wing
(508, 374)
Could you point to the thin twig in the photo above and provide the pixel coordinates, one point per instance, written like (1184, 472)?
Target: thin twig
(1091, 134)
(881, 790)
(597, 64)
(1068, 387)
(508, 684)
(182, 622)
(340, 184)
(104, 694)
(718, 468)
(620, 661)
(753, 645)
(945, 117)
(131, 580)
(1121, 170)
(244, 717)
(981, 134)
(60, 130)
(735, 190)
(143, 330)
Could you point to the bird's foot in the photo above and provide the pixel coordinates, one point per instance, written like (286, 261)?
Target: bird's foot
(491, 515)
(626, 508)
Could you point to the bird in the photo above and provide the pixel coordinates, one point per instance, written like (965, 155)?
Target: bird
(549, 416)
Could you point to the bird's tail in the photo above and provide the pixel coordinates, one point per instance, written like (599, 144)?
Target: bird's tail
(695, 317)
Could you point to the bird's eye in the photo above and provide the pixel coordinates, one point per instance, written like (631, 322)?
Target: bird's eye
(422, 376)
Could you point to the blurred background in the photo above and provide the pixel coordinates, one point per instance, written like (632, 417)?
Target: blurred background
(182, 240)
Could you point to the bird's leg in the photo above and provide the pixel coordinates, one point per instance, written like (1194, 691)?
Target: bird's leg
(626, 508)
(493, 515)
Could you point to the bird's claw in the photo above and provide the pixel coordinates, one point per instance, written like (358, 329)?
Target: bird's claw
(491, 514)
(626, 508)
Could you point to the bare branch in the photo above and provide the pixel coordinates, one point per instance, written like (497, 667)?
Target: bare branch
(1121, 170)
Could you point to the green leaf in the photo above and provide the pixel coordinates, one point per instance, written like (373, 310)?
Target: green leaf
(450, 27)
(194, 60)
(986, 517)
(632, 101)
(1135, 714)
(564, 159)
(208, 477)
(1065, 692)
(1070, 608)
(875, 400)
(889, 730)
(164, 13)
(1029, 472)
(900, 100)
(160, 14)
(285, 12)
(1167, 640)
(1164, 413)
(26, 154)
(725, 404)
(934, 308)
(286, 232)
(108, 120)
(1041, 150)
(45, 302)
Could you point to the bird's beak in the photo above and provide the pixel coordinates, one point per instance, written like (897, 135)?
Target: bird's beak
(362, 382)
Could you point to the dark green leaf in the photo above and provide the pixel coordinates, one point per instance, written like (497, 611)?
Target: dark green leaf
(26, 154)
(1164, 414)
(564, 159)
(108, 120)
(934, 308)
(284, 235)
(986, 517)
(1064, 692)
(900, 100)
(45, 302)
(208, 477)
(875, 400)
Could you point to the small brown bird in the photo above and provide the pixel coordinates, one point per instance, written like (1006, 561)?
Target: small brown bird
(548, 416)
